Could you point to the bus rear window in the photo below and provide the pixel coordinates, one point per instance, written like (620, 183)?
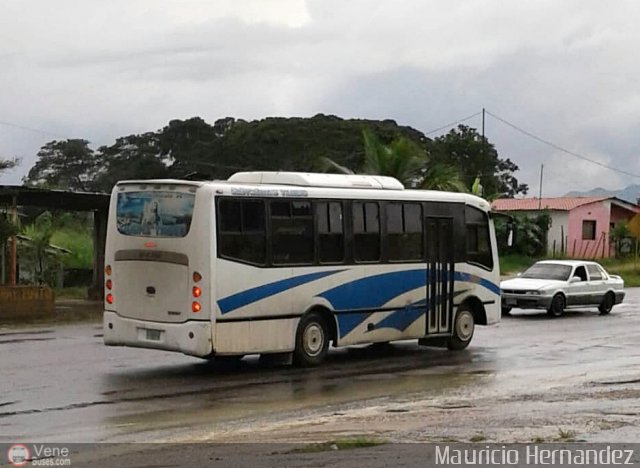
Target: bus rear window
(154, 214)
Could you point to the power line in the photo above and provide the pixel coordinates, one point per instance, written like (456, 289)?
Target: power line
(31, 129)
(453, 123)
(560, 148)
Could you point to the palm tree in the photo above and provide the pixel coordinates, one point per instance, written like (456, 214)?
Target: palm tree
(39, 234)
(440, 176)
(405, 160)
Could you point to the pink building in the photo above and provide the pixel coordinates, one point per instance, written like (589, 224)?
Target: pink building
(579, 225)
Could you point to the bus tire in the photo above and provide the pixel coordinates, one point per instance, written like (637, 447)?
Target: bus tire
(312, 341)
(463, 328)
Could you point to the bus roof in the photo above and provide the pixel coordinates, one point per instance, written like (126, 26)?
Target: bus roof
(298, 184)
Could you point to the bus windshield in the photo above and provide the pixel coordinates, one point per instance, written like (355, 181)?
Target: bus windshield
(154, 213)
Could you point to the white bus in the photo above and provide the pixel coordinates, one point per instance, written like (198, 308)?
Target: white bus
(282, 262)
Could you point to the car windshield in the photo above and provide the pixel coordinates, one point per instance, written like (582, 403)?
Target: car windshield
(550, 271)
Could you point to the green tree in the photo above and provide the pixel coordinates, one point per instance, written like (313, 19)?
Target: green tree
(131, 157)
(402, 158)
(39, 234)
(405, 160)
(7, 229)
(66, 164)
(476, 157)
(440, 176)
(6, 164)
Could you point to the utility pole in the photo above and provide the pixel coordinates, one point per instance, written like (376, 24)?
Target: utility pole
(540, 193)
(482, 148)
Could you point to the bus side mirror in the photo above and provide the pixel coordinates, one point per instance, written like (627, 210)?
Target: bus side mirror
(510, 233)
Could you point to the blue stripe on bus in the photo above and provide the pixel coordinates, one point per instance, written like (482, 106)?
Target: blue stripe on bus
(374, 291)
(347, 322)
(401, 319)
(249, 296)
(365, 293)
(468, 277)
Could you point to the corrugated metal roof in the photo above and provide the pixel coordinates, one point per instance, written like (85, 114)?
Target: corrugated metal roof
(533, 204)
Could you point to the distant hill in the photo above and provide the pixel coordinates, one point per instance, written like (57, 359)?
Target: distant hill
(630, 193)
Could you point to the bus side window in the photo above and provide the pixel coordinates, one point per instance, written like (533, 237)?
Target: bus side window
(366, 231)
(478, 240)
(330, 232)
(241, 228)
(404, 232)
(291, 233)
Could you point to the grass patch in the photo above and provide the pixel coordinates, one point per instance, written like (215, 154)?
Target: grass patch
(479, 437)
(341, 444)
(628, 269)
(566, 435)
(538, 440)
(514, 263)
(79, 242)
(72, 292)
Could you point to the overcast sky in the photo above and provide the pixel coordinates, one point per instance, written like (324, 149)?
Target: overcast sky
(567, 71)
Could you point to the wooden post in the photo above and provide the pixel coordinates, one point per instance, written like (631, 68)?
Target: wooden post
(96, 291)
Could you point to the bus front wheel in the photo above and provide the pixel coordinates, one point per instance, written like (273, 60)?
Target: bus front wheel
(312, 340)
(463, 328)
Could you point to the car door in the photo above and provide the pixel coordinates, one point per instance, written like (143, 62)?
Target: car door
(578, 291)
(597, 285)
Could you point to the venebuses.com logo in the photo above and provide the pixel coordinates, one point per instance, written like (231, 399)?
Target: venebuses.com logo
(18, 455)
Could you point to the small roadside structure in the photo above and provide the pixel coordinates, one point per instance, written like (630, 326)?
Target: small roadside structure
(13, 196)
(580, 226)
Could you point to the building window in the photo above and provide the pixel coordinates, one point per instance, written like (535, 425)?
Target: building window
(330, 232)
(241, 229)
(404, 232)
(291, 233)
(588, 229)
(366, 231)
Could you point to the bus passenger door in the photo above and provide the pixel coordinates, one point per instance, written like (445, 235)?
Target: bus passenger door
(440, 269)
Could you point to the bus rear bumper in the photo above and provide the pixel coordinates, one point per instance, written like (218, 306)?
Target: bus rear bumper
(191, 337)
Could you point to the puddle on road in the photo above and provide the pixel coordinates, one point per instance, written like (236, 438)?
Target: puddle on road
(310, 393)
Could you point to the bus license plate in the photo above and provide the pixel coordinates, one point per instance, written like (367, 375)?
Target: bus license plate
(511, 301)
(153, 335)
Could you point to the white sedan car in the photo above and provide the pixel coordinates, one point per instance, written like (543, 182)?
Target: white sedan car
(555, 285)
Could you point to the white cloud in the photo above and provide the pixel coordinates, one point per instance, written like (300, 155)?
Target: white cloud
(98, 70)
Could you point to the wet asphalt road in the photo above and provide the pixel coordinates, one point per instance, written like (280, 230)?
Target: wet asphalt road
(61, 384)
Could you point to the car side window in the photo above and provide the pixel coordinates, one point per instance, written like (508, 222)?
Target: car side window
(604, 274)
(594, 273)
(581, 273)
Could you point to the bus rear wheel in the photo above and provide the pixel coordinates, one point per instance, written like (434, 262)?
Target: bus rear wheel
(463, 328)
(312, 341)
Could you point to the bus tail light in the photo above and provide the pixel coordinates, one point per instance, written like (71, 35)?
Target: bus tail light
(195, 307)
(197, 292)
(109, 284)
(107, 270)
(196, 276)
(109, 298)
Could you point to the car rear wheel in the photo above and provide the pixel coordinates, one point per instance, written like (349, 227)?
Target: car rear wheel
(607, 303)
(557, 306)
